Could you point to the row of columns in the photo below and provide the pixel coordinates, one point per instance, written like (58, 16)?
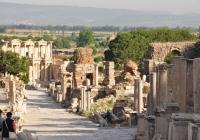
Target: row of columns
(176, 83)
(39, 72)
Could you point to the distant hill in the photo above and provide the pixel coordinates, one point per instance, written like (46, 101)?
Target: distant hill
(11, 13)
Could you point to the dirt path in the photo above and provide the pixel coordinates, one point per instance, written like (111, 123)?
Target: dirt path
(51, 122)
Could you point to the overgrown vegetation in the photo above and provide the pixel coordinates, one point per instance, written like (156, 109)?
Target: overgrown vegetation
(101, 106)
(134, 45)
(13, 63)
(85, 38)
(62, 42)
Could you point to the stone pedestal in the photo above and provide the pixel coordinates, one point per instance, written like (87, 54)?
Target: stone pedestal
(59, 98)
(162, 124)
(142, 128)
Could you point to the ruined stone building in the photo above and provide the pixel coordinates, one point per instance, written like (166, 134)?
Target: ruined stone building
(78, 85)
(39, 54)
(173, 102)
(157, 53)
(13, 98)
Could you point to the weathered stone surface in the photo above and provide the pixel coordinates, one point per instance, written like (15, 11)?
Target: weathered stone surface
(84, 56)
(196, 78)
(84, 72)
(158, 51)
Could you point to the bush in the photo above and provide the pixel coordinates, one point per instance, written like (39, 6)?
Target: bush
(85, 38)
(98, 59)
(15, 65)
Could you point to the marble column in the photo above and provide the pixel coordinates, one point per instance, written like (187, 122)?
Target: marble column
(96, 70)
(31, 74)
(152, 95)
(138, 96)
(46, 67)
(141, 103)
(12, 90)
(64, 87)
(161, 87)
(88, 100)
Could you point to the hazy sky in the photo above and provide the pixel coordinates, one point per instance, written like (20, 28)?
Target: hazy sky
(174, 6)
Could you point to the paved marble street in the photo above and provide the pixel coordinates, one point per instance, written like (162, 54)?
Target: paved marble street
(52, 122)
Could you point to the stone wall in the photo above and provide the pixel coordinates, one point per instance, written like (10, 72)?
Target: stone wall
(85, 74)
(84, 56)
(158, 51)
(177, 82)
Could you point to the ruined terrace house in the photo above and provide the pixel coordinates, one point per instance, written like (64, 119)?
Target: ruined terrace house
(39, 54)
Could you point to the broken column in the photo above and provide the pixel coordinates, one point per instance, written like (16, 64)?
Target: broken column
(138, 95)
(83, 101)
(152, 95)
(96, 75)
(109, 73)
(12, 90)
(149, 66)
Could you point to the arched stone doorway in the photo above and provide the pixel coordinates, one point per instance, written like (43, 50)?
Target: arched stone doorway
(171, 55)
(2, 84)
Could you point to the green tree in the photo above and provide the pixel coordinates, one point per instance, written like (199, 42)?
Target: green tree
(134, 45)
(85, 38)
(62, 42)
(14, 64)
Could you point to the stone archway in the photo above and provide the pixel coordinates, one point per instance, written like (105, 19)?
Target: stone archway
(169, 56)
(176, 52)
(158, 51)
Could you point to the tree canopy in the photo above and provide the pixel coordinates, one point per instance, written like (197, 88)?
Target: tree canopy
(85, 38)
(134, 45)
(62, 42)
(14, 64)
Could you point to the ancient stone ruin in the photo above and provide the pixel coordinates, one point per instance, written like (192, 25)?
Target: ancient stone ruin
(14, 99)
(80, 91)
(173, 100)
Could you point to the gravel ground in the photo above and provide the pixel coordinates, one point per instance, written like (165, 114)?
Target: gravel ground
(51, 122)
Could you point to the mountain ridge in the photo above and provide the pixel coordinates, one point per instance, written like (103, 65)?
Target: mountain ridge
(12, 14)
